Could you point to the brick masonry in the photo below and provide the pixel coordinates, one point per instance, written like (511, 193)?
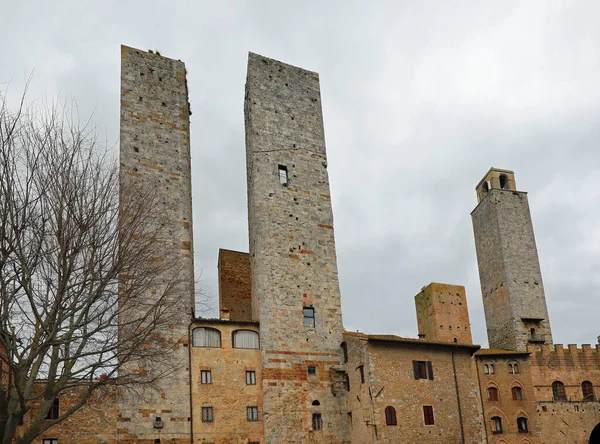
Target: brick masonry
(509, 269)
(234, 285)
(293, 261)
(155, 151)
(442, 313)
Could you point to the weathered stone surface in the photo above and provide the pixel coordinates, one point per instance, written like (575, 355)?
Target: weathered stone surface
(509, 268)
(293, 261)
(234, 285)
(155, 150)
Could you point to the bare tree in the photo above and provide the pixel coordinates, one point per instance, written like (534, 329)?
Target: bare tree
(80, 295)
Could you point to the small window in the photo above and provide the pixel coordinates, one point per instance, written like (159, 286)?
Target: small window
(588, 391)
(488, 369)
(250, 377)
(390, 416)
(428, 415)
(54, 411)
(517, 393)
(50, 441)
(206, 337)
(486, 187)
(504, 182)
(253, 442)
(347, 381)
(492, 394)
(312, 370)
(283, 175)
(317, 421)
(207, 414)
(522, 425)
(252, 413)
(205, 377)
(513, 368)
(496, 424)
(309, 317)
(246, 339)
(361, 369)
(316, 402)
(345, 351)
(558, 391)
(423, 370)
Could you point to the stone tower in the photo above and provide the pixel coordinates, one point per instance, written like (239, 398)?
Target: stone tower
(442, 314)
(509, 268)
(293, 267)
(155, 152)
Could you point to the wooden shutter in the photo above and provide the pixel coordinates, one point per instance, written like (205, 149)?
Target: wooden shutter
(416, 369)
(429, 370)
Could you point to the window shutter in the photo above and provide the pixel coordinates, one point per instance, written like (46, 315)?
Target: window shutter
(416, 369)
(430, 370)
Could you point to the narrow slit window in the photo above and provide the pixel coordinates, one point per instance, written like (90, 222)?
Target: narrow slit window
(283, 175)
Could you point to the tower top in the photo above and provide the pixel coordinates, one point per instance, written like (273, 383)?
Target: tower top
(495, 178)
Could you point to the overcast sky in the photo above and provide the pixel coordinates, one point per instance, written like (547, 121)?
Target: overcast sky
(420, 99)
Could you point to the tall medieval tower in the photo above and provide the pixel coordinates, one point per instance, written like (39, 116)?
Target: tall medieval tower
(155, 152)
(509, 268)
(295, 288)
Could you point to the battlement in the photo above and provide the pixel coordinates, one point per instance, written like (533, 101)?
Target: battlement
(559, 355)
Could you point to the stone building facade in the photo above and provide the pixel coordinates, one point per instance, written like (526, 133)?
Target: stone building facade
(277, 365)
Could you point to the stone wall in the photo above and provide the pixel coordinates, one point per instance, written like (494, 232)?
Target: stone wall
(509, 270)
(387, 363)
(234, 285)
(155, 152)
(228, 394)
(95, 422)
(442, 313)
(293, 261)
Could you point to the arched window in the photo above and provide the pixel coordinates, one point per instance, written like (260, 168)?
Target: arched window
(316, 402)
(245, 339)
(558, 391)
(390, 416)
(489, 369)
(588, 391)
(206, 337)
(492, 394)
(504, 182)
(486, 187)
(522, 424)
(517, 393)
(513, 368)
(496, 424)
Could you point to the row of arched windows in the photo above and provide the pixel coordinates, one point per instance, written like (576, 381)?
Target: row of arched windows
(211, 337)
(559, 393)
(490, 369)
(522, 424)
(516, 391)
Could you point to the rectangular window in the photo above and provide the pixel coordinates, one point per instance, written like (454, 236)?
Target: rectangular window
(428, 415)
(252, 413)
(207, 414)
(54, 411)
(423, 370)
(250, 377)
(309, 317)
(361, 369)
(205, 377)
(312, 370)
(283, 175)
(317, 421)
(50, 441)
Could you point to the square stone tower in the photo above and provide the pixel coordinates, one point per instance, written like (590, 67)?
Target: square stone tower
(509, 268)
(293, 267)
(155, 152)
(442, 314)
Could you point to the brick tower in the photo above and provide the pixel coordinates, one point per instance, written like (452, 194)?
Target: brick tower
(295, 289)
(155, 152)
(442, 314)
(509, 268)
